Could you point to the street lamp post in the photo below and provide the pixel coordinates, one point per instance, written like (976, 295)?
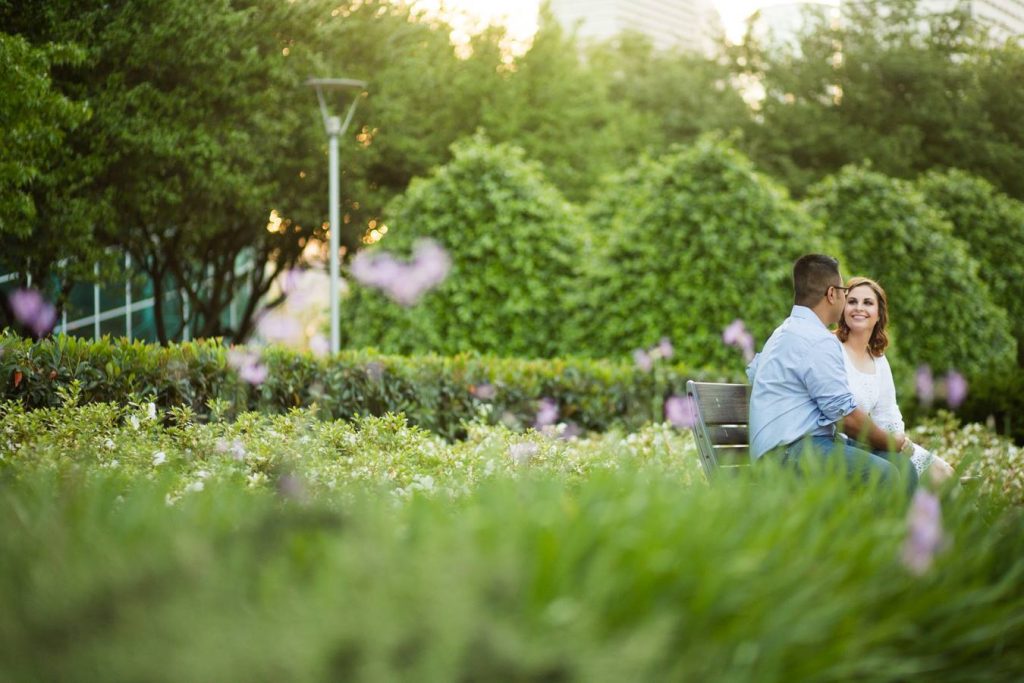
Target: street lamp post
(335, 128)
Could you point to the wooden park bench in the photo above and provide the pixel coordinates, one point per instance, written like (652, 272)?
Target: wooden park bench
(720, 426)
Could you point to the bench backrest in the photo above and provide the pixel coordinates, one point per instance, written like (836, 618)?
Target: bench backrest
(720, 427)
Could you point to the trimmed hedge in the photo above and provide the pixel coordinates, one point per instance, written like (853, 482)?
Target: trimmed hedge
(514, 242)
(683, 245)
(434, 392)
(992, 226)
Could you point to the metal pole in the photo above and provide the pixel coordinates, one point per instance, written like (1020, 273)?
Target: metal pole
(96, 302)
(333, 130)
(128, 295)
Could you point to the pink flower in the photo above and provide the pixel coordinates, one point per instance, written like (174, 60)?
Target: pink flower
(956, 389)
(33, 311)
(736, 334)
(680, 411)
(924, 532)
(404, 283)
(643, 360)
(547, 413)
(248, 366)
(925, 384)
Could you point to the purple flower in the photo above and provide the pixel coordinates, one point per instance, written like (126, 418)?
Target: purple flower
(279, 328)
(736, 334)
(956, 389)
(642, 360)
(664, 348)
(33, 311)
(319, 345)
(547, 413)
(680, 411)
(248, 366)
(570, 432)
(404, 283)
(924, 384)
(924, 532)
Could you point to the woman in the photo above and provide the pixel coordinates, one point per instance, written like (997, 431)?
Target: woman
(862, 332)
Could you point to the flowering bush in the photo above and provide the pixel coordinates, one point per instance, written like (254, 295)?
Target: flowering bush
(994, 464)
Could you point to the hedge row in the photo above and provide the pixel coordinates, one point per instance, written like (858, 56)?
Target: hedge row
(434, 392)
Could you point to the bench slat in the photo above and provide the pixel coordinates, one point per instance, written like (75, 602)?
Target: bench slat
(720, 430)
(728, 435)
(722, 403)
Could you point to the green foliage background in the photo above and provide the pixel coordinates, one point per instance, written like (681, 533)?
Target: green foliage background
(514, 243)
(684, 244)
(991, 224)
(941, 311)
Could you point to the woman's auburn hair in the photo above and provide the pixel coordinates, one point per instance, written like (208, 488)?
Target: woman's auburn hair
(879, 340)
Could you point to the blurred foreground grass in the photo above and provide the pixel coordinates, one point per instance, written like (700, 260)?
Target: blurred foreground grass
(578, 560)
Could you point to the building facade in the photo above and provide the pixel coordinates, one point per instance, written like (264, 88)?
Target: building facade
(688, 24)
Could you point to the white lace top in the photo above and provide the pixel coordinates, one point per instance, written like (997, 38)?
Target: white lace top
(875, 393)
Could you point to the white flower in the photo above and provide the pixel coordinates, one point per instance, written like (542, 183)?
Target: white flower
(151, 411)
(195, 487)
(159, 458)
(202, 474)
(108, 443)
(134, 421)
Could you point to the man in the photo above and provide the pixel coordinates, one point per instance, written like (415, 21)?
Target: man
(800, 391)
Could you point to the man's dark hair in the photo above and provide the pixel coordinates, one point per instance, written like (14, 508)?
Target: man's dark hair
(813, 274)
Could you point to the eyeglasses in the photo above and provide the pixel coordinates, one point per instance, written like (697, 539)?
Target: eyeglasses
(845, 289)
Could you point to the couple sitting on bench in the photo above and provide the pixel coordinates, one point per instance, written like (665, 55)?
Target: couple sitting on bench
(807, 381)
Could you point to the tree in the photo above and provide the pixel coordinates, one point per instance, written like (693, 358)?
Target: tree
(558, 109)
(35, 120)
(890, 82)
(193, 138)
(678, 95)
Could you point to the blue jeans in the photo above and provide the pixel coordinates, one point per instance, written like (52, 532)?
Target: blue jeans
(860, 463)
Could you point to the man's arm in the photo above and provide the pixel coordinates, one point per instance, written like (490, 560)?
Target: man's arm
(858, 425)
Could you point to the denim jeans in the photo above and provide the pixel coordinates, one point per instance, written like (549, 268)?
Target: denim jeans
(860, 463)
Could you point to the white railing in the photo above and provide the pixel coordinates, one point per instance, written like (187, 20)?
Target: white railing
(131, 305)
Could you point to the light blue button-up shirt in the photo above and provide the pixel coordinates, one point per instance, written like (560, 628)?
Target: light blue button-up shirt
(799, 384)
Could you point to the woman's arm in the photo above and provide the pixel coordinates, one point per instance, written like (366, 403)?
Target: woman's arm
(887, 413)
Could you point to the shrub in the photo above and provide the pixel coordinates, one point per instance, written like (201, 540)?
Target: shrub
(435, 392)
(992, 226)
(685, 244)
(941, 312)
(513, 241)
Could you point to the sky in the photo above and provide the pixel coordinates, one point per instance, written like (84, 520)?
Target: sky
(520, 16)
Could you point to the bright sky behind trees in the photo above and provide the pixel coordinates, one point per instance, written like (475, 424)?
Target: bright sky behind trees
(521, 16)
